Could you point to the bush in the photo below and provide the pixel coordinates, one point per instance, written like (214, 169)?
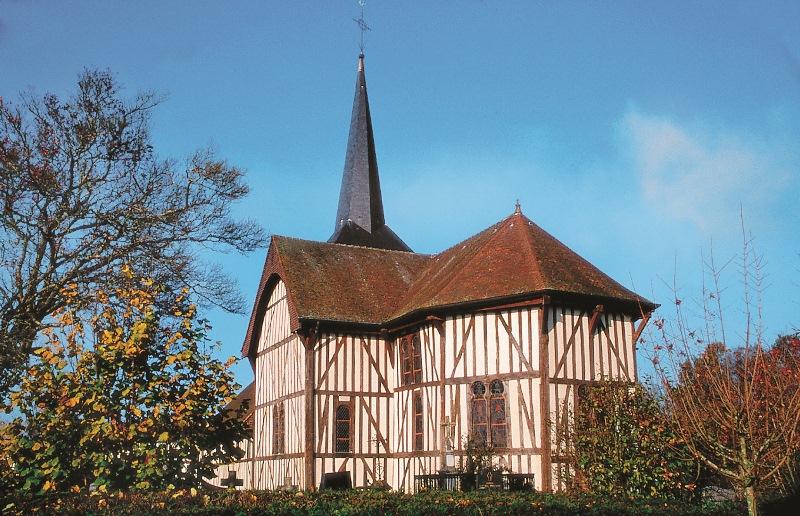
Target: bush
(353, 502)
(622, 444)
(131, 398)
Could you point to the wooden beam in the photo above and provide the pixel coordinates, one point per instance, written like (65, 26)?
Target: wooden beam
(308, 456)
(571, 342)
(544, 397)
(521, 304)
(374, 364)
(598, 310)
(640, 328)
(514, 342)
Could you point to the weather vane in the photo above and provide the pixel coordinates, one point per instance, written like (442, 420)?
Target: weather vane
(362, 25)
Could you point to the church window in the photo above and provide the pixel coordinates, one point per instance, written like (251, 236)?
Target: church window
(416, 348)
(410, 360)
(405, 359)
(479, 416)
(343, 427)
(419, 421)
(478, 389)
(489, 423)
(278, 429)
(497, 408)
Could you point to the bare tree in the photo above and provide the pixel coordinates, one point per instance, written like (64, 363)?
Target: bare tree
(82, 193)
(734, 400)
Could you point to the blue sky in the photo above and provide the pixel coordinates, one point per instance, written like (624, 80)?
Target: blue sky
(635, 132)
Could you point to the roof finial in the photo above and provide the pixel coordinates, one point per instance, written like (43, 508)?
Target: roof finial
(518, 210)
(363, 26)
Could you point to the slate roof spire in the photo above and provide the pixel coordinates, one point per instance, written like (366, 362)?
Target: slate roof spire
(359, 218)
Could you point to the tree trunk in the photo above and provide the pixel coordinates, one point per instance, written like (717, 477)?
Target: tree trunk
(750, 496)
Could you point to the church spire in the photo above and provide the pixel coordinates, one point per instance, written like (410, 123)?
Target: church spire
(360, 219)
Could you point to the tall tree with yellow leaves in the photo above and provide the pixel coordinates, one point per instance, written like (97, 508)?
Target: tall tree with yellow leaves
(130, 398)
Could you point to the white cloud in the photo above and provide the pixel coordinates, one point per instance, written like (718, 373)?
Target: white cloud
(703, 175)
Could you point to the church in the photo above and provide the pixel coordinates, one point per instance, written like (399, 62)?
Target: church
(380, 364)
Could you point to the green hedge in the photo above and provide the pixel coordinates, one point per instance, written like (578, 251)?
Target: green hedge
(236, 503)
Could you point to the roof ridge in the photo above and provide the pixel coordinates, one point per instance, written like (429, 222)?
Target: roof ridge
(473, 237)
(529, 244)
(369, 247)
(495, 226)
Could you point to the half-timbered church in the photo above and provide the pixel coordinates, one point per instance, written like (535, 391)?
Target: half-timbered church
(380, 363)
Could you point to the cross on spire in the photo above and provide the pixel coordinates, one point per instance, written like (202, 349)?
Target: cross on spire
(362, 25)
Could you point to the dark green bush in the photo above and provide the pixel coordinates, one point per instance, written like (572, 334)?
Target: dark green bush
(347, 503)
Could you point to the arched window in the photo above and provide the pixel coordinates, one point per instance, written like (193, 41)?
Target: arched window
(497, 409)
(278, 429)
(407, 368)
(489, 423)
(410, 360)
(479, 416)
(419, 422)
(343, 427)
(416, 348)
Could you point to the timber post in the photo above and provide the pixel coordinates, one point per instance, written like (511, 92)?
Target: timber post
(308, 452)
(544, 399)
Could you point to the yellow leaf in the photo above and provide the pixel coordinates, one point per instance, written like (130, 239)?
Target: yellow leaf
(164, 436)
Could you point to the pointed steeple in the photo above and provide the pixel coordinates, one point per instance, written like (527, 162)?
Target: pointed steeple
(360, 219)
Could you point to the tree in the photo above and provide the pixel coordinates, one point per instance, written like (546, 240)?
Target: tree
(786, 482)
(82, 192)
(140, 408)
(733, 400)
(620, 443)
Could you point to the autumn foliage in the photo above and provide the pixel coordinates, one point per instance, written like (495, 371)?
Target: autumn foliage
(621, 443)
(732, 398)
(129, 398)
(84, 192)
(739, 410)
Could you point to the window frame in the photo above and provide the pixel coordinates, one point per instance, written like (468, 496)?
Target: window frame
(487, 402)
(279, 429)
(337, 435)
(410, 359)
(418, 426)
(496, 426)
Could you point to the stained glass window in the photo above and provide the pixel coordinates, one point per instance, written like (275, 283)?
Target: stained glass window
(489, 421)
(497, 408)
(479, 415)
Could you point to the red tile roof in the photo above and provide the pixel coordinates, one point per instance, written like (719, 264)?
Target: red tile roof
(512, 260)
(345, 283)
(334, 282)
